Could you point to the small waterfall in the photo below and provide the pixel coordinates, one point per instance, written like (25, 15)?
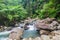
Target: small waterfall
(31, 27)
(30, 32)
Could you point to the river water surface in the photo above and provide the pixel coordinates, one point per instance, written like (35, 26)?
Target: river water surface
(4, 35)
(31, 32)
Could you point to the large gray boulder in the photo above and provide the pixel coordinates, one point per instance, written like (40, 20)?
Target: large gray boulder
(48, 23)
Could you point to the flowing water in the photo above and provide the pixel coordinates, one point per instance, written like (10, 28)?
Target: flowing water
(4, 35)
(31, 32)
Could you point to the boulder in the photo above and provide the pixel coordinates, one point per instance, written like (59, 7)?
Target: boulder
(56, 32)
(48, 20)
(44, 32)
(41, 25)
(53, 25)
(58, 27)
(16, 34)
(56, 37)
(44, 24)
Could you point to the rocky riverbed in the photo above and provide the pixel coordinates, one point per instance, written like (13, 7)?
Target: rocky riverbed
(48, 29)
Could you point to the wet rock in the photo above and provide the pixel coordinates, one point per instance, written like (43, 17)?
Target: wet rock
(7, 28)
(1, 28)
(45, 37)
(17, 24)
(48, 20)
(44, 24)
(56, 32)
(37, 38)
(53, 25)
(44, 32)
(28, 20)
(56, 37)
(58, 27)
(27, 39)
(16, 34)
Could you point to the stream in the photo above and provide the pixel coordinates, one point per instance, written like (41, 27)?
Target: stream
(31, 32)
(4, 35)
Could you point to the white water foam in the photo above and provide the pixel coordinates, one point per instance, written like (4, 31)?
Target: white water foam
(32, 27)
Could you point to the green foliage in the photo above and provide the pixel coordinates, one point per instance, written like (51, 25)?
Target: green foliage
(16, 10)
(12, 13)
(49, 10)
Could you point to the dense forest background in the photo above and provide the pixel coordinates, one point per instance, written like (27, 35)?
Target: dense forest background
(12, 11)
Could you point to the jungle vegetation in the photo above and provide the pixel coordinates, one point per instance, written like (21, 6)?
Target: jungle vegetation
(12, 11)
